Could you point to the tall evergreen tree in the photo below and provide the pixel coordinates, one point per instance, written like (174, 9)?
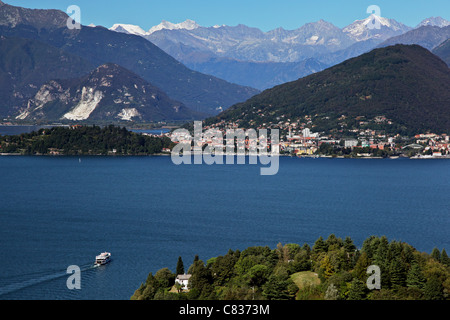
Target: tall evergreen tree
(435, 254)
(349, 246)
(397, 272)
(444, 258)
(180, 266)
(415, 278)
(333, 242)
(319, 246)
(380, 258)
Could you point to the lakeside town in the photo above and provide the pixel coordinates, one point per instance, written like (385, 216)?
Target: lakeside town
(298, 138)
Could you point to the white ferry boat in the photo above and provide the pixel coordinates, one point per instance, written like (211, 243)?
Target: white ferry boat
(102, 258)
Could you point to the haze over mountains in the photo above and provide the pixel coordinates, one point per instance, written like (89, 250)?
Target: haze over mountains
(237, 53)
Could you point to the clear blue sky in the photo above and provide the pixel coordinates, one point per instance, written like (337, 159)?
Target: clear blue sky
(263, 14)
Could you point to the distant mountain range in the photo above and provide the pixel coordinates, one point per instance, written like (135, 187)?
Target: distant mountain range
(73, 53)
(426, 36)
(406, 84)
(237, 53)
(49, 72)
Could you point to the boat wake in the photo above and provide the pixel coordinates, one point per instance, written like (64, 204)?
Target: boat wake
(38, 278)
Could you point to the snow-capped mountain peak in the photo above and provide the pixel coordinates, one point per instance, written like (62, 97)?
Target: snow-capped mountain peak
(434, 21)
(128, 28)
(374, 19)
(374, 26)
(187, 25)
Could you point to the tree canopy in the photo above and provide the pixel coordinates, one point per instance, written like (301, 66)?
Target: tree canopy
(334, 269)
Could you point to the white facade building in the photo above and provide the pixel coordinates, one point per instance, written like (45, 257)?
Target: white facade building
(183, 279)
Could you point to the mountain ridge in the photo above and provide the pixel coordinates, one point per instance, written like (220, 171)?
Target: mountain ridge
(26, 64)
(405, 83)
(426, 36)
(225, 51)
(98, 45)
(109, 92)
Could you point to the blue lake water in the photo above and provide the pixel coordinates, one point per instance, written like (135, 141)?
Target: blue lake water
(58, 211)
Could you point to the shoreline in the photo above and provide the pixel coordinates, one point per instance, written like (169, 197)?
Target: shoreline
(193, 154)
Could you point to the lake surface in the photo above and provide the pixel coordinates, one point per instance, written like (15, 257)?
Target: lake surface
(62, 211)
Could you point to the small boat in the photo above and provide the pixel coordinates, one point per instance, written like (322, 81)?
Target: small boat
(102, 258)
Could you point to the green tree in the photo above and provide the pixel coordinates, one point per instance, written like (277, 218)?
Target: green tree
(349, 246)
(357, 290)
(326, 270)
(397, 273)
(435, 254)
(433, 289)
(180, 266)
(257, 275)
(333, 242)
(319, 246)
(279, 286)
(381, 259)
(360, 271)
(201, 280)
(444, 258)
(415, 278)
(223, 268)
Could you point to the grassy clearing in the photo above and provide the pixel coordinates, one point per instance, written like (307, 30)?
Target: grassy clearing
(305, 278)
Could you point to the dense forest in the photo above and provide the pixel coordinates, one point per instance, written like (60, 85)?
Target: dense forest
(333, 269)
(83, 140)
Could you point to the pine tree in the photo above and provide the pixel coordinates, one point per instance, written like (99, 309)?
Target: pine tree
(381, 259)
(397, 272)
(180, 266)
(357, 290)
(444, 258)
(319, 246)
(333, 243)
(349, 246)
(436, 255)
(415, 278)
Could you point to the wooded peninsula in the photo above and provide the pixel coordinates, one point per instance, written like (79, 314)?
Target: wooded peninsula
(333, 269)
(83, 140)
